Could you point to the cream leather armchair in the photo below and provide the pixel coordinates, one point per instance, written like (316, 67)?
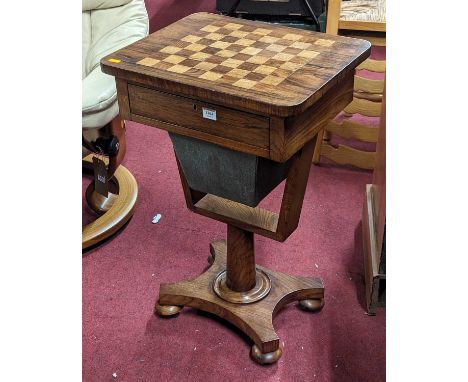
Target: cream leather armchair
(107, 25)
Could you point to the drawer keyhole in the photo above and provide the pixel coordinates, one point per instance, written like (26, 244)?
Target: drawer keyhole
(194, 107)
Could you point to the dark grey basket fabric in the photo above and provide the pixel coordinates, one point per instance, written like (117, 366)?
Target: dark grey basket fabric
(230, 174)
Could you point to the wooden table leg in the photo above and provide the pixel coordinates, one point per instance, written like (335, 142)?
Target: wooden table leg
(248, 299)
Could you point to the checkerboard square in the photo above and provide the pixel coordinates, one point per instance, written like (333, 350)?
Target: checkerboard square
(238, 73)
(291, 66)
(272, 80)
(174, 59)
(220, 44)
(243, 83)
(239, 34)
(250, 50)
(283, 56)
(210, 28)
(245, 42)
(233, 26)
(200, 56)
(292, 37)
(226, 53)
(324, 42)
(170, 49)
(258, 60)
(195, 47)
(276, 48)
(265, 69)
(211, 76)
(214, 36)
(268, 39)
(191, 38)
(262, 31)
(148, 61)
(232, 63)
(300, 45)
(308, 54)
(178, 68)
(205, 66)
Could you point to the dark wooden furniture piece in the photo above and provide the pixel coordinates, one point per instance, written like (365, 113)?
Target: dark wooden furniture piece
(373, 225)
(115, 209)
(255, 89)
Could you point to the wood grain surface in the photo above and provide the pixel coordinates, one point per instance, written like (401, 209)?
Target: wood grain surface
(261, 67)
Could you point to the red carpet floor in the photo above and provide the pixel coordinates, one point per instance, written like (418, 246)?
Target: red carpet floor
(121, 283)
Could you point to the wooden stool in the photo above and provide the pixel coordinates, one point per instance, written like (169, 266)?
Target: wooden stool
(250, 93)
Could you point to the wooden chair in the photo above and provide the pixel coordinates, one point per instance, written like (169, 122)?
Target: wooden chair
(362, 19)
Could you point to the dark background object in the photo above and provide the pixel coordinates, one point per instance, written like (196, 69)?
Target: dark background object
(303, 14)
(230, 174)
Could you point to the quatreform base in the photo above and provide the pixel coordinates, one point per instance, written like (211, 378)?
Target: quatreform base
(254, 319)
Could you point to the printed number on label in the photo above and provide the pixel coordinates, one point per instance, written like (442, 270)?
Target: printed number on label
(209, 114)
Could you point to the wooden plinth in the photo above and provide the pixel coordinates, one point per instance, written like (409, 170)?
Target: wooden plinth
(254, 319)
(116, 211)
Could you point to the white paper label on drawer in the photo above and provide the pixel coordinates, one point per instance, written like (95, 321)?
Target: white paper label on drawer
(209, 114)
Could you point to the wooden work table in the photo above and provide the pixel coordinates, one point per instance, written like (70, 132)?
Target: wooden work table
(255, 91)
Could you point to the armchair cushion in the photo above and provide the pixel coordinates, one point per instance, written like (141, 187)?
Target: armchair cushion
(109, 26)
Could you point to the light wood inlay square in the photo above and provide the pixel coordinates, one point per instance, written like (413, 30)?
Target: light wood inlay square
(268, 39)
(238, 34)
(292, 66)
(174, 59)
(262, 31)
(258, 59)
(226, 53)
(148, 61)
(308, 54)
(300, 45)
(178, 68)
(205, 66)
(238, 73)
(276, 48)
(250, 50)
(210, 28)
(292, 36)
(191, 38)
(200, 56)
(170, 49)
(220, 44)
(264, 69)
(243, 83)
(324, 42)
(195, 47)
(214, 36)
(244, 42)
(233, 26)
(272, 80)
(283, 56)
(232, 63)
(211, 76)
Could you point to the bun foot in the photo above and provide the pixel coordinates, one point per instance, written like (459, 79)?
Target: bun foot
(312, 305)
(167, 310)
(266, 358)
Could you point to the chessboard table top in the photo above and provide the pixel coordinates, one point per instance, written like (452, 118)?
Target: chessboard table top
(255, 66)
